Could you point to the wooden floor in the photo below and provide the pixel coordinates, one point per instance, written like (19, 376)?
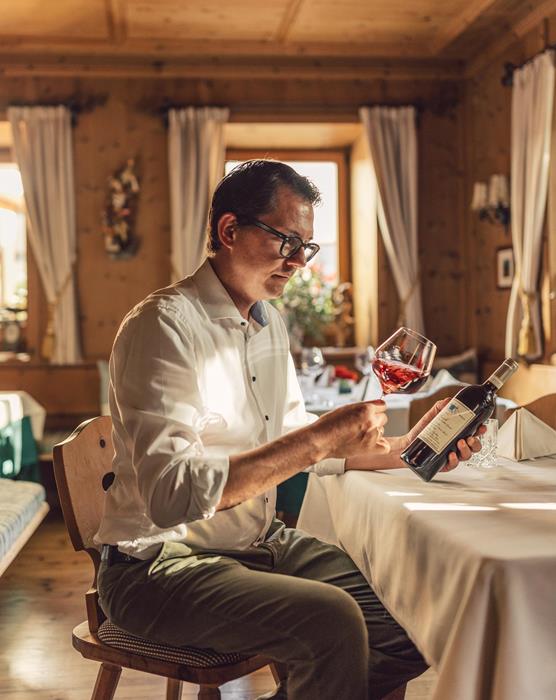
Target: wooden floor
(42, 599)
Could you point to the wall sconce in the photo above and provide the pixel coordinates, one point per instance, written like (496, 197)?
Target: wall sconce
(492, 202)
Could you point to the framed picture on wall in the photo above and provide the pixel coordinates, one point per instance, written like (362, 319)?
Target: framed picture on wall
(504, 267)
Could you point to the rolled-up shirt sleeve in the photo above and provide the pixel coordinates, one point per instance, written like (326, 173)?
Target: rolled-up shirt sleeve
(157, 400)
(296, 416)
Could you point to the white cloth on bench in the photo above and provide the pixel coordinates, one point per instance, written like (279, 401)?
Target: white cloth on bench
(19, 501)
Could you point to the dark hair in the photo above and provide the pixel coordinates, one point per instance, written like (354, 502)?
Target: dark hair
(249, 191)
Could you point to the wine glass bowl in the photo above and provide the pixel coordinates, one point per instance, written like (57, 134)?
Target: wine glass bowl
(312, 362)
(403, 362)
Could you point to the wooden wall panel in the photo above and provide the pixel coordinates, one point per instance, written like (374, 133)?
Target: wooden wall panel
(488, 151)
(441, 243)
(489, 144)
(126, 126)
(60, 389)
(108, 288)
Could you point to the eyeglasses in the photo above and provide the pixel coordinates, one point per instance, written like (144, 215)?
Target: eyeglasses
(290, 244)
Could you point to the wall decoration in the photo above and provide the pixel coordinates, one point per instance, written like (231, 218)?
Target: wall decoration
(118, 220)
(504, 268)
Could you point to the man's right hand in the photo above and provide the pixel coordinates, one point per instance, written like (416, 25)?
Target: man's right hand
(353, 429)
(350, 430)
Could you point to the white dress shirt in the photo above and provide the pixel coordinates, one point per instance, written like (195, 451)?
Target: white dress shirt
(191, 383)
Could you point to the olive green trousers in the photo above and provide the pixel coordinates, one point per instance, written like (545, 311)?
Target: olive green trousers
(292, 598)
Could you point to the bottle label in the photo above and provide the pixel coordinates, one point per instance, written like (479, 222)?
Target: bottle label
(493, 379)
(447, 425)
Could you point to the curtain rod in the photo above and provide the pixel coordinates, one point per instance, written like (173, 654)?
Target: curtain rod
(167, 104)
(76, 104)
(439, 105)
(507, 79)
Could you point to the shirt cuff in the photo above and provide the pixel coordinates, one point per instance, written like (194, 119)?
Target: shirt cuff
(332, 465)
(208, 478)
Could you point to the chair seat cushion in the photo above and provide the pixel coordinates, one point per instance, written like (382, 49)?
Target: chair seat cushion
(189, 656)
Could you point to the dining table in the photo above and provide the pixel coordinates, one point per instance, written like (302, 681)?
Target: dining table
(465, 563)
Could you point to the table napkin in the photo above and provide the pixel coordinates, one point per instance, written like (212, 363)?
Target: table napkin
(524, 436)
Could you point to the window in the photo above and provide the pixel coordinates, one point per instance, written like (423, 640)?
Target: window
(327, 171)
(13, 254)
(13, 259)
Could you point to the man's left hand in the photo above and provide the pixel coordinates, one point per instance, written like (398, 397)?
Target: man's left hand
(465, 447)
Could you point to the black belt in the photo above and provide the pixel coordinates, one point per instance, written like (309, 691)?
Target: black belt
(112, 555)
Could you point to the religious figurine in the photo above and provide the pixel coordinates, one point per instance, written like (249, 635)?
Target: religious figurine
(119, 214)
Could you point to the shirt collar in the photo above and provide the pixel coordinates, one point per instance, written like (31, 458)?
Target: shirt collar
(217, 302)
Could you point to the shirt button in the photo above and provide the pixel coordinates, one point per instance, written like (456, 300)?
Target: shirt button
(254, 379)
(266, 499)
(244, 323)
(266, 418)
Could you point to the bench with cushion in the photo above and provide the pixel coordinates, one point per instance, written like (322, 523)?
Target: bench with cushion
(22, 508)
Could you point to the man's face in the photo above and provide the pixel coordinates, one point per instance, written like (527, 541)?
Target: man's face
(257, 252)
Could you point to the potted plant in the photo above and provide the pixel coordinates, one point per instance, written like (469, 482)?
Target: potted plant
(307, 307)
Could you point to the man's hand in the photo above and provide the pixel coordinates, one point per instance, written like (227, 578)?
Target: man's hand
(353, 429)
(465, 448)
(349, 430)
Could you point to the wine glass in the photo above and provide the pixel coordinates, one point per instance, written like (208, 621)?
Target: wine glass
(312, 362)
(403, 362)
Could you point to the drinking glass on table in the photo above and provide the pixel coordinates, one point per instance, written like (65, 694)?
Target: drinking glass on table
(312, 364)
(403, 362)
(486, 457)
(312, 361)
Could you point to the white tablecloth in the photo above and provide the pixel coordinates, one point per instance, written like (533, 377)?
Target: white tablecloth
(465, 563)
(16, 404)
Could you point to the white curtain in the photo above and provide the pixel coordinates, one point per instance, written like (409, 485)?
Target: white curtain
(43, 150)
(392, 138)
(532, 100)
(196, 152)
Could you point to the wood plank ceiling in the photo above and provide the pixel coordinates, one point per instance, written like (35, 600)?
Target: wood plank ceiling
(239, 38)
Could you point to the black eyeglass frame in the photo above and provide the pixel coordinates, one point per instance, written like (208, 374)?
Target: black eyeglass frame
(298, 242)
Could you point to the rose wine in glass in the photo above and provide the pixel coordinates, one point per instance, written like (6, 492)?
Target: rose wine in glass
(403, 362)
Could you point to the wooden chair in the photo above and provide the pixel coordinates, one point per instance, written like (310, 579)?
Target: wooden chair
(83, 470)
(82, 466)
(418, 407)
(544, 408)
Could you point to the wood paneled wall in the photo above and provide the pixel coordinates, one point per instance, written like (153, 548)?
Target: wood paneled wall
(127, 126)
(442, 256)
(68, 393)
(487, 143)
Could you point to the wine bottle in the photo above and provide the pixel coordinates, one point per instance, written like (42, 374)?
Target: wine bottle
(470, 407)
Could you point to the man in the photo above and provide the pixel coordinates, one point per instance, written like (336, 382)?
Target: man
(208, 419)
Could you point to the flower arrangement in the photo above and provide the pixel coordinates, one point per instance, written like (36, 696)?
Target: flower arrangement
(307, 306)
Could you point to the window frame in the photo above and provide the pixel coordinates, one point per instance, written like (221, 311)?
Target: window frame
(339, 156)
